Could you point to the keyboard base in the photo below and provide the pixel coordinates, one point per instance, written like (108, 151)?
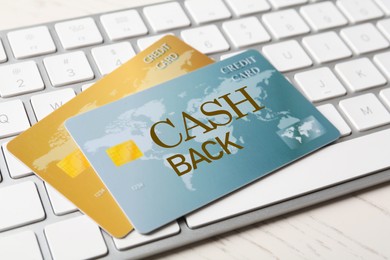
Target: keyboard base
(314, 199)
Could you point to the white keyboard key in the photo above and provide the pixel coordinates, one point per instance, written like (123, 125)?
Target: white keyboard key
(287, 56)
(207, 39)
(166, 16)
(20, 78)
(75, 238)
(359, 10)
(78, 33)
(68, 68)
(46, 103)
(59, 203)
(286, 3)
(22, 245)
(385, 96)
(244, 7)
(383, 62)
(322, 16)
(330, 112)
(226, 56)
(144, 43)
(109, 57)
(13, 118)
(124, 24)
(246, 31)
(136, 239)
(360, 74)
(16, 168)
(86, 86)
(333, 164)
(286, 23)
(3, 56)
(204, 11)
(20, 205)
(384, 26)
(320, 84)
(385, 5)
(326, 47)
(365, 112)
(364, 38)
(31, 42)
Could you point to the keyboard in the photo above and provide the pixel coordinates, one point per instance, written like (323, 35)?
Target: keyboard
(337, 53)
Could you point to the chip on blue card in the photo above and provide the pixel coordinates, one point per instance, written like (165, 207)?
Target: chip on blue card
(176, 147)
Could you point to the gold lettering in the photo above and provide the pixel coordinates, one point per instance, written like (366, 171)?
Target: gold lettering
(182, 162)
(157, 140)
(196, 124)
(248, 98)
(226, 143)
(196, 161)
(216, 113)
(208, 154)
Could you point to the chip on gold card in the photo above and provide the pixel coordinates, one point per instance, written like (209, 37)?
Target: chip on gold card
(74, 164)
(46, 146)
(123, 153)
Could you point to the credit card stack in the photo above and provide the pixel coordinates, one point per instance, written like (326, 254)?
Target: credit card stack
(169, 132)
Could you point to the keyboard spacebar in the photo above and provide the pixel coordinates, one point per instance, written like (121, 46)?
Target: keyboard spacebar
(328, 166)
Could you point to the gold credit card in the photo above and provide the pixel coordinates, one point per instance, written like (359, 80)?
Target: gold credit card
(51, 153)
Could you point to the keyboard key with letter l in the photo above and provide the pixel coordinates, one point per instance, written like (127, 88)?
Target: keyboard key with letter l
(384, 26)
(382, 60)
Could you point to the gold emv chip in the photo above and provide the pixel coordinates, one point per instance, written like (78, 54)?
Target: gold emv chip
(123, 153)
(74, 164)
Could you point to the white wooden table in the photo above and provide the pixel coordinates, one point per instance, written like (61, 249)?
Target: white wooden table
(354, 227)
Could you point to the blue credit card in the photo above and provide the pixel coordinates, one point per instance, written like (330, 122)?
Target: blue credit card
(176, 147)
